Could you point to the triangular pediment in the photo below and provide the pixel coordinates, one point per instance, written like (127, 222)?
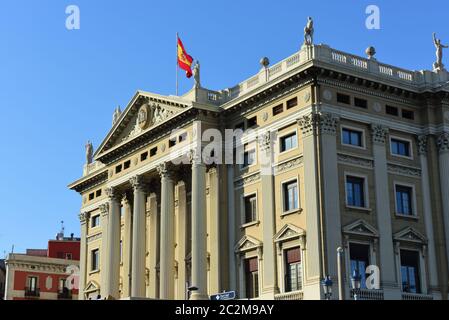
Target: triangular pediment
(144, 112)
(410, 235)
(288, 232)
(247, 243)
(91, 286)
(361, 228)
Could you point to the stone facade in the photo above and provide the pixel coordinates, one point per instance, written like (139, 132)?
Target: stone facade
(355, 155)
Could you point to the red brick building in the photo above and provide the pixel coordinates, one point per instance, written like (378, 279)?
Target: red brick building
(47, 274)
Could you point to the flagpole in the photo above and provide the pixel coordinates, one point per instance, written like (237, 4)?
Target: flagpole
(177, 64)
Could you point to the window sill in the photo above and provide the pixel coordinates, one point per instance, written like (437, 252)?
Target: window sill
(94, 271)
(287, 213)
(363, 209)
(404, 216)
(250, 224)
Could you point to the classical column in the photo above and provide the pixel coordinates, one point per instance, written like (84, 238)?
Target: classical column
(104, 265)
(443, 159)
(167, 263)
(427, 213)
(231, 228)
(127, 246)
(313, 274)
(113, 258)
(138, 239)
(182, 239)
(383, 211)
(199, 228)
(269, 279)
(154, 246)
(84, 219)
(331, 194)
(215, 253)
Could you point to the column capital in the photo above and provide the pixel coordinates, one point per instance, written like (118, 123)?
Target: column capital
(195, 157)
(308, 123)
(326, 122)
(264, 141)
(104, 209)
(112, 193)
(137, 183)
(422, 142)
(164, 171)
(443, 142)
(84, 217)
(379, 133)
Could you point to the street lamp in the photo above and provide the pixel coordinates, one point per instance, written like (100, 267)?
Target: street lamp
(356, 283)
(327, 287)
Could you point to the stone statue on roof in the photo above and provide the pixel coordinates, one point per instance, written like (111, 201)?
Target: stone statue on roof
(438, 65)
(196, 74)
(308, 32)
(89, 152)
(116, 115)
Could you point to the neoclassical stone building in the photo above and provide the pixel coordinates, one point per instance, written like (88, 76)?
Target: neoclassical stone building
(356, 155)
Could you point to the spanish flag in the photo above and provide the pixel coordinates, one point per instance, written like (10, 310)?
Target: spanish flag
(184, 60)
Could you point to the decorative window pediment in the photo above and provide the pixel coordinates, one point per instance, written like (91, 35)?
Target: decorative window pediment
(247, 243)
(91, 286)
(410, 235)
(361, 228)
(289, 232)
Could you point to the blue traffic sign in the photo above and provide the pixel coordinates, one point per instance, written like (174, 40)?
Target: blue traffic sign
(230, 295)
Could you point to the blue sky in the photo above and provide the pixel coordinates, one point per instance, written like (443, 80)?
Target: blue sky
(58, 88)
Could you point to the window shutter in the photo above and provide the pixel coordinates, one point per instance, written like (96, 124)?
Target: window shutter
(293, 255)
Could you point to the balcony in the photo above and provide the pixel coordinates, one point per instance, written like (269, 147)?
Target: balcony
(416, 296)
(64, 294)
(294, 295)
(32, 292)
(367, 294)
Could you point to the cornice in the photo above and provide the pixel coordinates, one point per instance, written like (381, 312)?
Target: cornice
(89, 182)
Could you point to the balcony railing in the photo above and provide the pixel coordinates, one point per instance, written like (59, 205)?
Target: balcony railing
(416, 296)
(32, 292)
(367, 294)
(64, 294)
(294, 295)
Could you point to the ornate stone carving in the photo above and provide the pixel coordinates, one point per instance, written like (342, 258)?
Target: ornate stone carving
(116, 115)
(443, 142)
(379, 133)
(422, 141)
(194, 156)
(265, 141)
(104, 209)
(327, 95)
(89, 152)
(308, 32)
(405, 171)
(289, 165)
(247, 180)
(196, 75)
(308, 123)
(137, 183)
(438, 65)
(84, 216)
(328, 123)
(356, 161)
(111, 192)
(164, 171)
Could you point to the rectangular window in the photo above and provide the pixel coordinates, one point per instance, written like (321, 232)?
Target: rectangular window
(404, 200)
(252, 122)
(410, 273)
(343, 98)
(290, 190)
(361, 103)
(355, 191)
(182, 137)
(118, 168)
(408, 114)
(91, 196)
(144, 156)
(153, 152)
(95, 259)
(68, 256)
(400, 147)
(95, 221)
(252, 278)
(278, 109)
(98, 193)
(249, 158)
(293, 270)
(352, 137)
(392, 111)
(127, 164)
(250, 208)
(292, 103)
(172, 142)
(32, 284)
(288, 142)
(360, 260)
